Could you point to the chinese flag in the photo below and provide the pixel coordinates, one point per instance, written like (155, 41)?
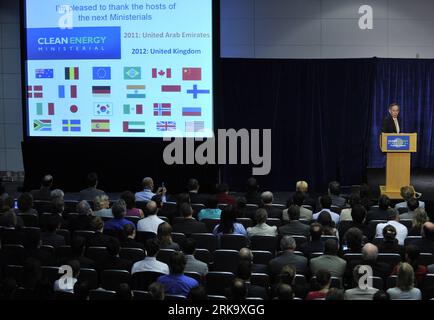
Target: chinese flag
(192, 74)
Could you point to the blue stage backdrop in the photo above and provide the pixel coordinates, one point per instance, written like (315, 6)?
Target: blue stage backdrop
(325, 115)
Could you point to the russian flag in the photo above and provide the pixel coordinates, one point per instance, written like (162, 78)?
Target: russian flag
(191, 111)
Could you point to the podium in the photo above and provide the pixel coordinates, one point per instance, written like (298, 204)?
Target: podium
(398, 147)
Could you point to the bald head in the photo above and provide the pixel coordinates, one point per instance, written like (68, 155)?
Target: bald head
(428, 230)
(148, 183)
(370, 252)
(151, 207)
(267, 197)
(246, 254)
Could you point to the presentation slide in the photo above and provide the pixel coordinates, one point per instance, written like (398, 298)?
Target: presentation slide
(119, 68)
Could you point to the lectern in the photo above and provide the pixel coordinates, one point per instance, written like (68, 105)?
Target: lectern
(398, 147)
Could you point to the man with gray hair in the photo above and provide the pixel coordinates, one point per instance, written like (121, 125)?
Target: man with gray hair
(267, 201)
(147, 193)
(82, 221)
(57, 193)
(287, 245)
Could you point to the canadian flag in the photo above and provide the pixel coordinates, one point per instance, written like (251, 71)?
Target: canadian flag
(161, 73)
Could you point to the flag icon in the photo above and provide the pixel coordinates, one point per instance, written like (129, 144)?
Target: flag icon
(100, 125)
(161, 73)
(71, 125)
(189, 74)
(194, 126)
(44, 73)
(195, 91)
(101, 91)
(71, 73)
(35, 92)
(170, 88)
(72, 91)
(40, 109)
(42, 125)
(162, 109)
(134, 126)
(132, 73)
(136, 91)
(103, 109)
(101, 73)
(191, 111)
(73, 108)
(166, 126)
(128, 109)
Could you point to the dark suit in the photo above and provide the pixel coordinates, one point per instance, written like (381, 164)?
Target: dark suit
(131, 243)
(295, 227)
(198, 197)
(43, 193)
(389, 247)
(53, 239)
(90, 193)
(276, 264)
(379, 269)
(256, 291)
(425, 245)
(189, 226)
(99, 240)
(312, 246)
(80, 222)
(253, 198)
(389, 125)
(273, 212)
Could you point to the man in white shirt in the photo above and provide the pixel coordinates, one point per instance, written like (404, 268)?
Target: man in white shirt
(326, 203)
(151, 222)
(147, 193)
(393, 219)
(150, 263)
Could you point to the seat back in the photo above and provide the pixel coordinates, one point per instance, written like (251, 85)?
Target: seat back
(89, 275)
(226, 260)
(164, 255)
(233, 241)
(264, 243)
(111, 279)
(101, 294)
(262, 256)
(132, 254)
(97, 254)
(205, 241)
(30, 220)
(142, 280)
(203, 255)
(217, 282)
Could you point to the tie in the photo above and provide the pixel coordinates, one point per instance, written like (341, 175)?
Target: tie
(396, 124)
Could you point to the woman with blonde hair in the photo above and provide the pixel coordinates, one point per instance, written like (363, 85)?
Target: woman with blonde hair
(419, 218)
(404, 289)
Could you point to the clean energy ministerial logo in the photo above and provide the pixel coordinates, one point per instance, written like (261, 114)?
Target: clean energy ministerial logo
(205, 153)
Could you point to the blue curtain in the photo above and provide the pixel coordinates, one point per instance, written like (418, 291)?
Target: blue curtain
(325, 115)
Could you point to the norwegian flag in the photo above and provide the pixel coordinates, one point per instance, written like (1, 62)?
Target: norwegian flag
(162, 109)
(161, 73)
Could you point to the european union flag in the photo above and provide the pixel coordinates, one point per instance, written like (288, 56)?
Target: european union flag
(101, 73)
(44, 73)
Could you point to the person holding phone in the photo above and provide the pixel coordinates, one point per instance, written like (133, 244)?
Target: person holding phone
(147, 193)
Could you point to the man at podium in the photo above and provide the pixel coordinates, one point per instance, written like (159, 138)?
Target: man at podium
(391, 123)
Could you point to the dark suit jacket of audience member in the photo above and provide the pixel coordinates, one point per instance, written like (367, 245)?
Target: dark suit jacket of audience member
(425, 245)
(198, 197)
(99, 240)
(189, 226)
(389, 247)
(52, 239)
(295, 227)
(131, 243)
(41, 194)
(80, 222)
(256, 291)
(276, 264)
(273, 212)
(311, 246)
(90, 193)
(253, 198)
(116, 263)
(338, 201)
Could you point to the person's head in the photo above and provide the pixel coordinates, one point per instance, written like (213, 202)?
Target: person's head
(177, 263)
(412, 204)
(301, 186)
(81, 290)
(244, 270)
(58, 205)
(325, 201)
(156, 291)
(267, 197)
(227, 220)
(294, 212)
(353, 238)
(189, 246)
(405, 279)
(182, 198)
(381, 295)
(97, 224)
(394, 110)
(119, 209)
(354, 199)
(365, 191)
(334, 188)
(315, 231)
(392, 214)
(57, 193)
(197, 294)
(113, 247)
(238, 289)
(383, 202)
(164, 232)
(186, 210)
(152, 246)
(101, 202)
(25, 202)
(261, 216)
(407, 193)
(47, 181)
(92, 179)
(325, 219)
(211, 202)
(335, 294)
(53, 223)
(246, 254)
(370, 252)
(83, 208)
(428, 230)
(298, 198)
(75, 266)
(129, 199)
(148, 183)
(252, 185)
(331, 247)
(389, 233)
(412, 253)
(124, 292)
(129, 231)
(287, 274)
(323, 278)
(193, 185)
(284, 292)
(158, 200)
(419, 218)
(78, 246)
(241, 203)
(151, 208)
(358, 213)
(287, 243)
